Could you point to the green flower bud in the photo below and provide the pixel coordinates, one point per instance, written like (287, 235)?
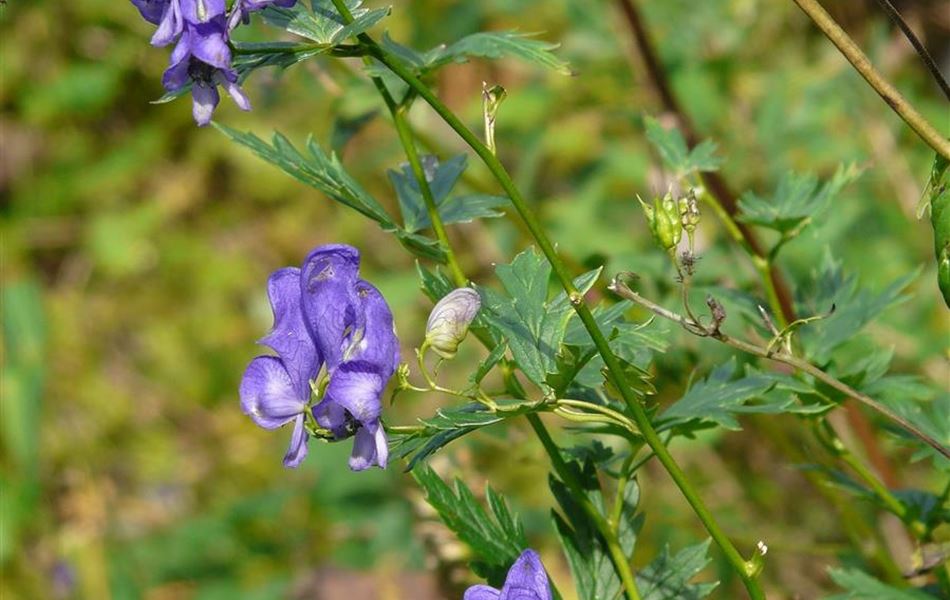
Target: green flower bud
(449, 320)
(689, 214)
(666, 222)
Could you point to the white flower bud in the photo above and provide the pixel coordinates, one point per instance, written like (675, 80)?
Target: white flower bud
(449, 320)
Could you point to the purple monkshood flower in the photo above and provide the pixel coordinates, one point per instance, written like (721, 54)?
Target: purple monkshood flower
(203, 57)
(325, 316)
(526, 581)
(240, 12)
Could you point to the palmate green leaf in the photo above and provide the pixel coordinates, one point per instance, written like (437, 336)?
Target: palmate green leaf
(717, 399)
(533, 326)
(496, 537)
(321, 23)
(495, 45)
(676, 154)
(667, 577)
(920, 404)
(586, 552)
(861, 586)
(441, 177)
(325, 173)
(854, 308)
(796, 201)
(633, 343)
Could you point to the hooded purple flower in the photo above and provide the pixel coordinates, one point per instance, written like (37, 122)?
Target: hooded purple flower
(276, 390)
(203, 57)
(352, 398)
(325, 315)
(526, 581)
(353, 329)
(240, 12)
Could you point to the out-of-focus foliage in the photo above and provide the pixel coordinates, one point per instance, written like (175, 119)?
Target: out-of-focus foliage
(135, 248)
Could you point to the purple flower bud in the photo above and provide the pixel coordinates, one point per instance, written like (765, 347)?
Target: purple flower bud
(449, 320)
(526, 581)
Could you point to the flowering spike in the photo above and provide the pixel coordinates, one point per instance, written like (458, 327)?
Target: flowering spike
(449, 321)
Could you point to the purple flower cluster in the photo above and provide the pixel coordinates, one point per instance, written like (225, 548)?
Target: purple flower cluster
(325, 319)
(202, 55)
(526, 581)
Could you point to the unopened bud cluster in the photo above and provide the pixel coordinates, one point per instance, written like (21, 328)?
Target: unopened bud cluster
(669, 217)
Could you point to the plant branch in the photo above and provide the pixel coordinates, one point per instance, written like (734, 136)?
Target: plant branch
(620, 560)
(619, 288)
(833, 442)
(614, 368)
(723, 202)
(929, 62)
(882, 86)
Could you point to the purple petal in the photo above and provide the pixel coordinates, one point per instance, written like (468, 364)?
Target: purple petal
(369, 448)
(328, 278)
(205, 99)
(176, 76)
(237, 94)
(289, 337)
(171, 25)
(151, 10)
(481, 592)
(201, 11)
(334, 417)
(527, 579)
(357, 386)
(268, 395)
(209, 43)
(298, 444)
(377, 343)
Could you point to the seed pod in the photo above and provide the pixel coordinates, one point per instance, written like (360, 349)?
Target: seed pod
(449, 320)
(939, 190)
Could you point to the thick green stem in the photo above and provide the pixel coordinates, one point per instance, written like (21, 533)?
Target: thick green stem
(614, 368)
(617, 555)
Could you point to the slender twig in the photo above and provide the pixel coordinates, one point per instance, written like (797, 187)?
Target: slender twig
(882, 86)
(929, 62)
(619, 288)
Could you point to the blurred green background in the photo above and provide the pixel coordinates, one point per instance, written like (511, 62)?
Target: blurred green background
(135, 248)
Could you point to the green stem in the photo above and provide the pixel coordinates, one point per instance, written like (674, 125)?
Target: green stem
(882, 86)
(837, 447)
(406, 138)
(762, 264)
(614, 368)
(621, 563)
